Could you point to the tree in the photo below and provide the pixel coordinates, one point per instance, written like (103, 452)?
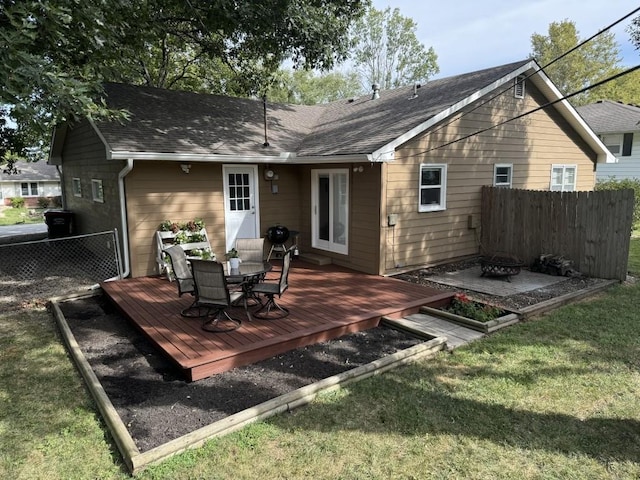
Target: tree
(592, 62)
(387, 51)
(57, 53)
(634, 31)
(308, 88)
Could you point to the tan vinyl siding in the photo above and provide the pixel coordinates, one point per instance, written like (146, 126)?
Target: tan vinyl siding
(282, 208)
(158, 191)
(531, 144)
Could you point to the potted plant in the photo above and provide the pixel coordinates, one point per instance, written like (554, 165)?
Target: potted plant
(233, 258)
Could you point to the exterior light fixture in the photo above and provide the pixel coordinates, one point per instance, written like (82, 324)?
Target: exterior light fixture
(185, 167)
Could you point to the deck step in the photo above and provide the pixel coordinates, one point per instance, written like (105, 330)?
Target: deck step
(315, 259)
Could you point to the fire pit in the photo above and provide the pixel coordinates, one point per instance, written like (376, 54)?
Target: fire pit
(500, 266)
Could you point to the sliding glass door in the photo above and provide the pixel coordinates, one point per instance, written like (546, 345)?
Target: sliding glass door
(330, 209)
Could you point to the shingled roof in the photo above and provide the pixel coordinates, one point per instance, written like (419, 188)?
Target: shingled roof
(611, 117)
(175, 125)
(32, 172)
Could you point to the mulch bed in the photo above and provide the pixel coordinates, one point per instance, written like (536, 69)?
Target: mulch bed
(157, 404)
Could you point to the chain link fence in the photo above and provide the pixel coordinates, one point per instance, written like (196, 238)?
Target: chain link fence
(90, 258)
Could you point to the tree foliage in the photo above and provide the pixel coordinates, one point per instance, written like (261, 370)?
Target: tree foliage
(308, 88)
(387, 51)
(634, 31)
(592, 62)
(57, 53)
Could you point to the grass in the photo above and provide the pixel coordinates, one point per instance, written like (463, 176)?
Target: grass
(14, 216)
(555, 397)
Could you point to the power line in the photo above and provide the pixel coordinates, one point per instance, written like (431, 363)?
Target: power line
(537, 109)
(571, 50)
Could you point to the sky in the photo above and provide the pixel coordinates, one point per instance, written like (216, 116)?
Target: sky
(469, 35)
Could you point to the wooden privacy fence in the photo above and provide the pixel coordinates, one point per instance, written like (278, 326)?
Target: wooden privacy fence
(593, 229)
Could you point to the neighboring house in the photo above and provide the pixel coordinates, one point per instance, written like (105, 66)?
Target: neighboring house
(378, 184)
(34, 180)
(618, 126)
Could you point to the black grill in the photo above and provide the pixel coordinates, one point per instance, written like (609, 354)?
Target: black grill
(277, 234)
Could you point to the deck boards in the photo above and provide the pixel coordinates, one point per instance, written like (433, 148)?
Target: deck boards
(326, 301)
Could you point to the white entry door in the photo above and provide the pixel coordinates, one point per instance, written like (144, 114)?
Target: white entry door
(330, 209)
(241, 213)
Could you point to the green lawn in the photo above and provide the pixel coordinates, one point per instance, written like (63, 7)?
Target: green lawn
(557, 397)
(14, 216)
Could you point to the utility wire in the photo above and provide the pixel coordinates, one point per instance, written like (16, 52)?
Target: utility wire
(496, 95)
(541, 107)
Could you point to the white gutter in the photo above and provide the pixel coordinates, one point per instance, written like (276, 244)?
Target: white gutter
(285, 158)
(126, 270)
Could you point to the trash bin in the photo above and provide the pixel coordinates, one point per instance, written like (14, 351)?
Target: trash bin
(59, 223)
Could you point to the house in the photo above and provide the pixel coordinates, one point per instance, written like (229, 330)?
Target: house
(618, 126)
(34, 181)
(381, 183)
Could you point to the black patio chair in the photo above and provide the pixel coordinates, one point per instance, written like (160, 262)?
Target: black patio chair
(181, 273)
(213, 297)
(271, 289)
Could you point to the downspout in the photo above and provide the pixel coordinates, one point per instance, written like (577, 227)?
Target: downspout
(63, 197)
(126, 267)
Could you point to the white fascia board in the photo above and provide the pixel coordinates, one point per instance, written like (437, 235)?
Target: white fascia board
(573, 117)
(386, 153)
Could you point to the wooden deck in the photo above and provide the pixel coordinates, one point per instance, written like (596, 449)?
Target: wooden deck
(325, 302)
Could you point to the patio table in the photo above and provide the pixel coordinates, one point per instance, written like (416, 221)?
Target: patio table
(248, 274)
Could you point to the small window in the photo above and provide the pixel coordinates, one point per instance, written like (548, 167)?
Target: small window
(518, 86)
(76, 185)
(563, 178)
(96, 190)
(613, 143)
(433, 186)
(502, 175)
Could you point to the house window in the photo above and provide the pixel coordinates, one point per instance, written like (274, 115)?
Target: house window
(29, 189)
(518, 86)
(432, 188)
(613, 143)
(96, 191)
(76, 186)
(502, 175)
(563, 178)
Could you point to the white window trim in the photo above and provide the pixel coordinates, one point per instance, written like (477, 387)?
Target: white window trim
(75, 182)
(30, 194)
(97, 192)
(495, 174)
(564, 169)
(443, 188)
(519, 86)
(613, 140)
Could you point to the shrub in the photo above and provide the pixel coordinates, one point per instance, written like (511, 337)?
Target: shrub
(56, 201)
(17, 202)
(634, 184)
(43, 202)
